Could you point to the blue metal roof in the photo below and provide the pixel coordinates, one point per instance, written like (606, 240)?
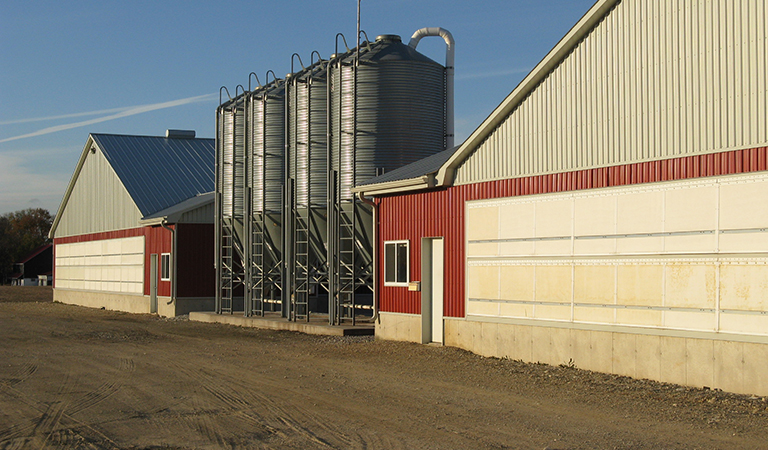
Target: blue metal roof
(159, 172)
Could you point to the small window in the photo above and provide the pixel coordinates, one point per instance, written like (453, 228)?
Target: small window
(165, 267)
(396, 263)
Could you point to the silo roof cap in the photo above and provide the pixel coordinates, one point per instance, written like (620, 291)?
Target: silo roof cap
(389, 37)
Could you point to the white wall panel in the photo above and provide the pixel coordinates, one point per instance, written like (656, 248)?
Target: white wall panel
(653, 255)
(113, 265)
(655, 79)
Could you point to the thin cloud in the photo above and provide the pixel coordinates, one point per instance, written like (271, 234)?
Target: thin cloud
(66, 116)
(498, 73)
(132, 111)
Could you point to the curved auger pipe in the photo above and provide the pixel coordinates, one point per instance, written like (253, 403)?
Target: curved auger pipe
(257, 80)
(238, 88)
(274, 77)
(367, 41)
(293, 59)
(312, 57)
(337, 43)
(223, 89)
(450, 51)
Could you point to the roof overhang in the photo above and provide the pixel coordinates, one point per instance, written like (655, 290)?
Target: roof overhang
(174, 213)
(393, 187)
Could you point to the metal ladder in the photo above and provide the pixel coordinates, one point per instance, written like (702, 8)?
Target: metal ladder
(227, 271)
(347, 275)
(256, 283)
(301, 287)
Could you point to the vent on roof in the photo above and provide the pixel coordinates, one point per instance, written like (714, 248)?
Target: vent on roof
(180, 134)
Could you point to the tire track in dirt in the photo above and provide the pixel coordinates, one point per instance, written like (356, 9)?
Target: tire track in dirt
(48, 427)
(21, 374)
(290, 414)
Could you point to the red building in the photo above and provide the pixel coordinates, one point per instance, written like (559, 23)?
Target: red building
(610, 213)
(134, 231)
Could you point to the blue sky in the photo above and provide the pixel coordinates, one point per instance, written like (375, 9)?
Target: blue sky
(140, 67)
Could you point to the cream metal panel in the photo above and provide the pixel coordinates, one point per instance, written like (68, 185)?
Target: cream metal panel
(673, 265)
(653, 80)
(98, 202)
(113, 265)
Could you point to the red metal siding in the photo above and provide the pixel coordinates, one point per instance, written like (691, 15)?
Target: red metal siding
(158, 241)
(441, 212)
(194, 261)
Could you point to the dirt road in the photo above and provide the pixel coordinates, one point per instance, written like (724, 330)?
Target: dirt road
(73, 377)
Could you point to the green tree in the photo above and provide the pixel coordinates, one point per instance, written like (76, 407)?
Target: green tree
(20, 233)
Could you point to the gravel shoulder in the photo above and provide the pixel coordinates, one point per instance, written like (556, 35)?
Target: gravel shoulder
(74, 377)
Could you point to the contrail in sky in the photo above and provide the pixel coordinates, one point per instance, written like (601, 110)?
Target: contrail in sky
(66, 116)
(122, 112)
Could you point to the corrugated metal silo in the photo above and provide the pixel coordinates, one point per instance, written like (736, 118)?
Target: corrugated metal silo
(387, 109)
(266, 150)
(306, 190)
(230, 199)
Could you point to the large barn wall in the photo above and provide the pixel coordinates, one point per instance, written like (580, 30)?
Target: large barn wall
(653, 80)
(157, 240)
(98, 202)
(442, 212)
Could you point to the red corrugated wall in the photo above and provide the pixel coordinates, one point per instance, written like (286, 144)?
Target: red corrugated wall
(441, 212)
(194, 261)
(158, 241)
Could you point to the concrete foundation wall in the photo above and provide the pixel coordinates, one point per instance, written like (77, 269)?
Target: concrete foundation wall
(731, 363)
(137, 304)
(399, 327)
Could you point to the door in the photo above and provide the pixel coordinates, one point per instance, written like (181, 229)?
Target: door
(437, 290)
(432, 256)
(153, 265)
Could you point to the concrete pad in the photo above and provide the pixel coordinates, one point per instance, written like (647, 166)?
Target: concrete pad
(318, 325)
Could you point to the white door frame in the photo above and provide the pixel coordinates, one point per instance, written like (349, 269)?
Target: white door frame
(432, 289)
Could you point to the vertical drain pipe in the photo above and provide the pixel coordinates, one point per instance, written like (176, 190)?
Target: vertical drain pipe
(450, 51)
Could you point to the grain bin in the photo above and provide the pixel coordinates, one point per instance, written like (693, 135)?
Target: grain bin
(266, 151)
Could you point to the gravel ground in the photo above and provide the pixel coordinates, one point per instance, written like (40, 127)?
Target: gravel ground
(73, 377)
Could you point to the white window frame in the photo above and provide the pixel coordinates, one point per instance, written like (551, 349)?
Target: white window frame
(387, 261)
(163, 267)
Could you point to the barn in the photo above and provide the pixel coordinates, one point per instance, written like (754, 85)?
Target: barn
(134, 231)
(611, 213)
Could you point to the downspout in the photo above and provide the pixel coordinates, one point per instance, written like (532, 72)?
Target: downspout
(164, 224)
(450, 51)
(365, 200)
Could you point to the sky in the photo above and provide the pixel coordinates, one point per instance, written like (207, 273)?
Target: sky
(140, 67)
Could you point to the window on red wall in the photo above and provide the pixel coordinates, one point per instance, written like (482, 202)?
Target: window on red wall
(396, 267)
(165, 267)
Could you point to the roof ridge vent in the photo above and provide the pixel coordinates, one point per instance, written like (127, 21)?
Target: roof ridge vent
(180, 134)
